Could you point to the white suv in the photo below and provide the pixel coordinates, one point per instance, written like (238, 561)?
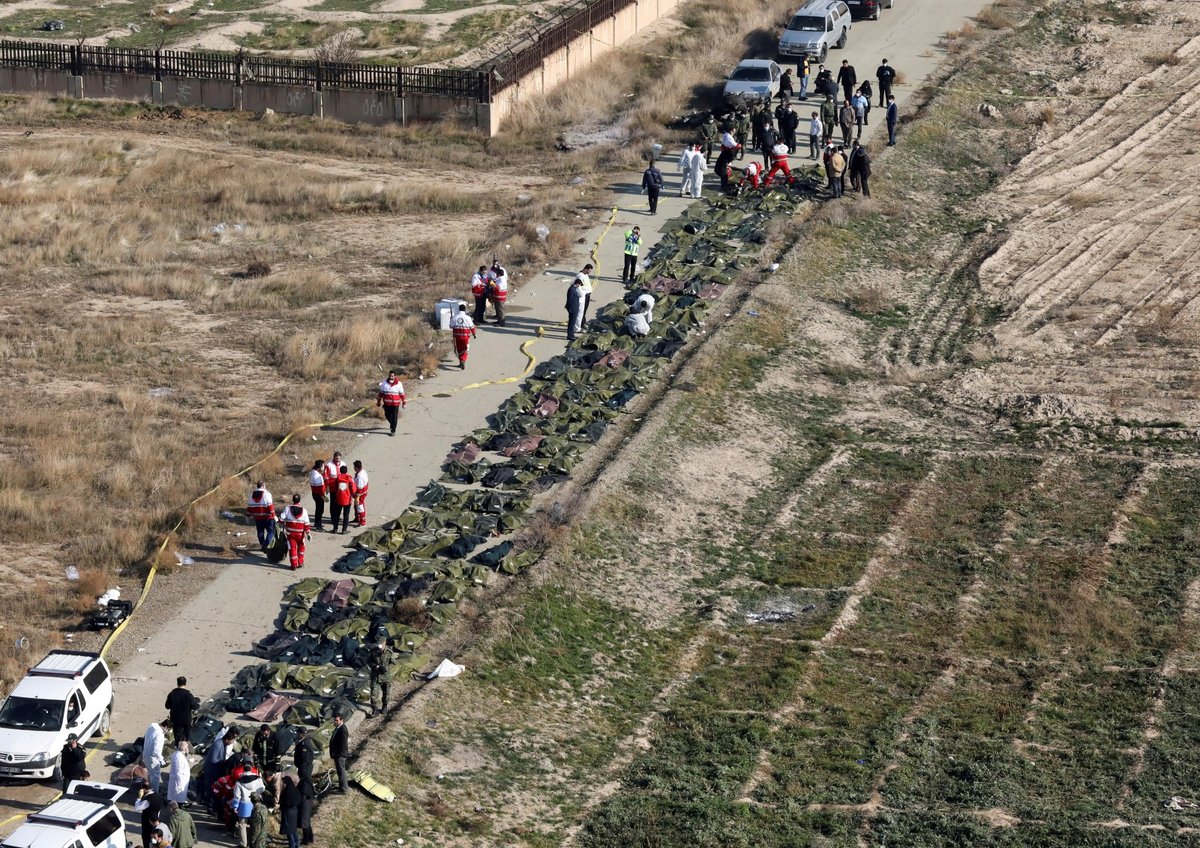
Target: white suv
(67, 692)
(86, 817)
(816, 26)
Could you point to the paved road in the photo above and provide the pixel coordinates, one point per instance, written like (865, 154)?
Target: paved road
(209, 641)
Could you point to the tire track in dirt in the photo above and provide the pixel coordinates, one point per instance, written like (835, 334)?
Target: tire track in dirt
(886, 550)
(966, 609)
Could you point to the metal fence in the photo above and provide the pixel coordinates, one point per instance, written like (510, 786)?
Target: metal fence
(511, 69)
(243, 68)
(481, 83)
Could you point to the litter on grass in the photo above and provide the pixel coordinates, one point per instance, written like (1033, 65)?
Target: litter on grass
(446, 669)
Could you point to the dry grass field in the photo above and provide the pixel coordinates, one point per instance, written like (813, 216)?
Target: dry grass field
(145, 355)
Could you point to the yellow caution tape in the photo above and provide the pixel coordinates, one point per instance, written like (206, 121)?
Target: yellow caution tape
(154, 563)
(530, 361)
(596, 246)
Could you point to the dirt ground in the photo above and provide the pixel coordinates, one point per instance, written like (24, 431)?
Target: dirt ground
(906, 554)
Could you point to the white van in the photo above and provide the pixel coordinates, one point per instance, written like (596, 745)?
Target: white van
(67, 692)
(86, 817)
(816, 26)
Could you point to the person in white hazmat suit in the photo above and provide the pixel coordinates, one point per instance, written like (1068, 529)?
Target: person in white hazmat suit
(693, 166)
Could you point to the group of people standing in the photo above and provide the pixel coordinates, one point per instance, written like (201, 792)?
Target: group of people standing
(775, 133)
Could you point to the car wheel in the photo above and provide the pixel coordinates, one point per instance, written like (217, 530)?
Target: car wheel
(841, 42)
(875, 16)
(824, 54)
(105, 722)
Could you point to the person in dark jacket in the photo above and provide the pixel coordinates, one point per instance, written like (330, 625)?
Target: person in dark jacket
(265, 747)
(847, 78)
(788, 122)
(304, 754)
(339, 751)
(885, 74)
(73, 763)
(860, 169)
(181, 704)
(308, 796)
(785, 85)
(769, 139)
(289, 811)
(574, 309)
(652, 180)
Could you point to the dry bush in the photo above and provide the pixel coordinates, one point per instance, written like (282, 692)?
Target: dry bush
(867, 300)
(339, 47)
(1159, 59)
(376, 343)
(1046, 115)
(957, 41)
(258, 269)
(993, 18)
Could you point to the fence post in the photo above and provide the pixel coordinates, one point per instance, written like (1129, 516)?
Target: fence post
(319, 68)
(237, 69)
(158, 64)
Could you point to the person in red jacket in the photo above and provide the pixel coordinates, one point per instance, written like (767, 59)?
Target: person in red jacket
(342, 496)
(296, 526)
(392, 399)
(463, 329)
(361, 482)
(330, 472)
(261, 508)
(316, 482)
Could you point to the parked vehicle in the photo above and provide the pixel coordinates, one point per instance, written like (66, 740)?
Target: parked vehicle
(754, 78)
(85, 817)
(868, 8)
(67, 692)
(816, 26)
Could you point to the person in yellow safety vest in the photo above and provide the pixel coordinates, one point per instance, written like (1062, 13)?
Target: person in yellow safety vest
(633, 243)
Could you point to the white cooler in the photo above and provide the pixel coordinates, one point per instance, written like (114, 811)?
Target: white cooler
(444, 309)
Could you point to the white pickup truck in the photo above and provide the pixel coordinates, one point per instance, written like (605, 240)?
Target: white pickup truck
(86, 817)
(67, 692)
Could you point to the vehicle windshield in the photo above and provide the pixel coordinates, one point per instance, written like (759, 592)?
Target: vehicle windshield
(31, 714)
(751, 75)
(807, 23)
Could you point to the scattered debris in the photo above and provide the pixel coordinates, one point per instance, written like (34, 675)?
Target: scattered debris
(72, 572)
(988, 110)
(446, 669)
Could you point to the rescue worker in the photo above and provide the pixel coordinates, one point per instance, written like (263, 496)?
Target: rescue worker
(392, 399)
(379, 662)
(637, 322)
(342, 497)
(750, 173)
(729, 148)
(261, 507)
(779, 163)
(316, 482)
(708, 132)
(633, 243)
(330, 471)
(693, 163)
(479, 287)
(463, 329)
(361, 483)
(585, 288)
(645, 303)
(296, 526)
(498, 289)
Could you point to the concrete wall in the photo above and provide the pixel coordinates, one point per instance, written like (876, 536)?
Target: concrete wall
(33, 80)
(570, 60)
(350, 105)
